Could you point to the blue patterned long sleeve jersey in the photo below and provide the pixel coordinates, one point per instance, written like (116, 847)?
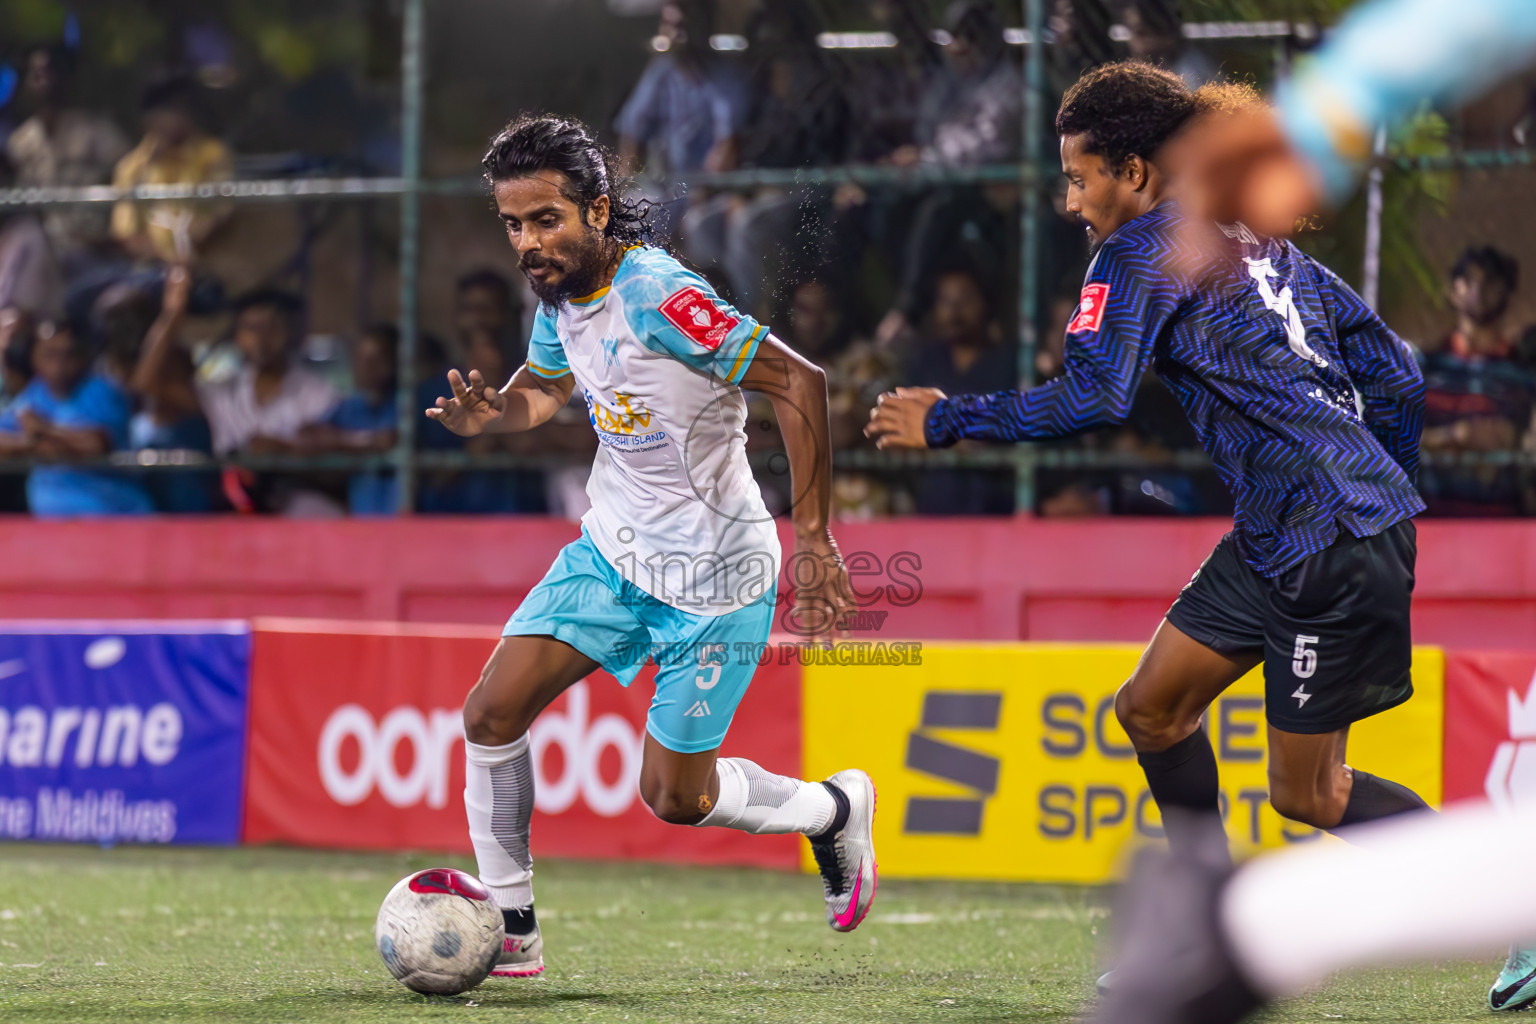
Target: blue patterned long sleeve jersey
(1308, 405)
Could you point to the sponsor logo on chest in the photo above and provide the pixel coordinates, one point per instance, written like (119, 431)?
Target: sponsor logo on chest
(629, 415)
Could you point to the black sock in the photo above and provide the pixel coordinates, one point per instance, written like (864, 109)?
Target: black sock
(839, 817)
(1372, 797)
(519, 922)
(1184, 782)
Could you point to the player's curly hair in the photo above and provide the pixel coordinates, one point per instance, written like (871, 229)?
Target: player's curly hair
(1128, 108)
(531, 143)
(1220, 98)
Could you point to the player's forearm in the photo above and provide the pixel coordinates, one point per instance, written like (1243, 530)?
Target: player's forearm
(531, 401)
(801, 409)
(524, 412)
(1061, 407)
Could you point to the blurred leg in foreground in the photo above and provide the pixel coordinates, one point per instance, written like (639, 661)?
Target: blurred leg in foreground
(1200, 943)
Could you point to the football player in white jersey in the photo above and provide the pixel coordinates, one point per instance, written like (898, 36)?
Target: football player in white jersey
(678, 557)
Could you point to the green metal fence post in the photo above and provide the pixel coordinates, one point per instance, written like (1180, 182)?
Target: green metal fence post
(1029, 231)
(410, 231)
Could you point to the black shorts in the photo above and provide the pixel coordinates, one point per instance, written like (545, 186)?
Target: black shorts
(1333, 630)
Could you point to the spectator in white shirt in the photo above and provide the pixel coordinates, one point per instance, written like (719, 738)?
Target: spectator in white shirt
(272, 397)
(260, 409)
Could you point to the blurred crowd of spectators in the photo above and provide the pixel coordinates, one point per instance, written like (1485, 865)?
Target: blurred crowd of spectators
(897, 285)
(918, 285)
(97, 360)
(915, 284)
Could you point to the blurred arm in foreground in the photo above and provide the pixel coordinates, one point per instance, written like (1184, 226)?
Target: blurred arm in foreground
(1269, 168)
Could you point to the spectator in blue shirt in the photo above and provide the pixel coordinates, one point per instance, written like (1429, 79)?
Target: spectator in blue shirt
(170, 418)
(687, 103)
(365, 421)
(68, 412)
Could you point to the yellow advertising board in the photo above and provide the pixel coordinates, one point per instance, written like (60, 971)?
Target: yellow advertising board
(1006, 761)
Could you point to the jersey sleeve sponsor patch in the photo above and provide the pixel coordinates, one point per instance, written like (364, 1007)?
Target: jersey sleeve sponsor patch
(697, 316)
(1090, 308)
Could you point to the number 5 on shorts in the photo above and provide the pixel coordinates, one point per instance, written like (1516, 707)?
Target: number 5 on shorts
(711, 658)
(1304, 658)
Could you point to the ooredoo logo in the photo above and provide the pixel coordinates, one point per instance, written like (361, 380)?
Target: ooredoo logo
(1512, 775)
(431, 738)
(581, 747)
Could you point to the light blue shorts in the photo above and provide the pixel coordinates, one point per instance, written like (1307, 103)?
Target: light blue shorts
(701, 674)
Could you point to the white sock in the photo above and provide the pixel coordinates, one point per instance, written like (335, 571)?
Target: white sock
(1419, 886)
(754, 800)
(498, 800)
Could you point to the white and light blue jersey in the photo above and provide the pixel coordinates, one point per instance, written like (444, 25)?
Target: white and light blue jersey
(657, 356)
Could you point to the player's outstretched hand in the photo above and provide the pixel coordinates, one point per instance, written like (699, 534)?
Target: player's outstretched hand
(897, 419)
(473, 407)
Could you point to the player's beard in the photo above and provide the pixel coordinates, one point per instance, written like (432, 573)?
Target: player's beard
(1094, 239)
(580, 266)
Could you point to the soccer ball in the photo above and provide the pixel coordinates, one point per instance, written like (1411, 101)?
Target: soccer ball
(439, 932)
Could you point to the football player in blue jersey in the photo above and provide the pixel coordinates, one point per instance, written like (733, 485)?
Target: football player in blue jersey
(1271, 168)
(1310, 409)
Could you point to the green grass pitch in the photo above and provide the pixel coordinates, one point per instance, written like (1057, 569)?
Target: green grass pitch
(132, 934)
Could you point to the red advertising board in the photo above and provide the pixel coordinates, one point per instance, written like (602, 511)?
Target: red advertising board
(356, 743)
(1490, 726)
